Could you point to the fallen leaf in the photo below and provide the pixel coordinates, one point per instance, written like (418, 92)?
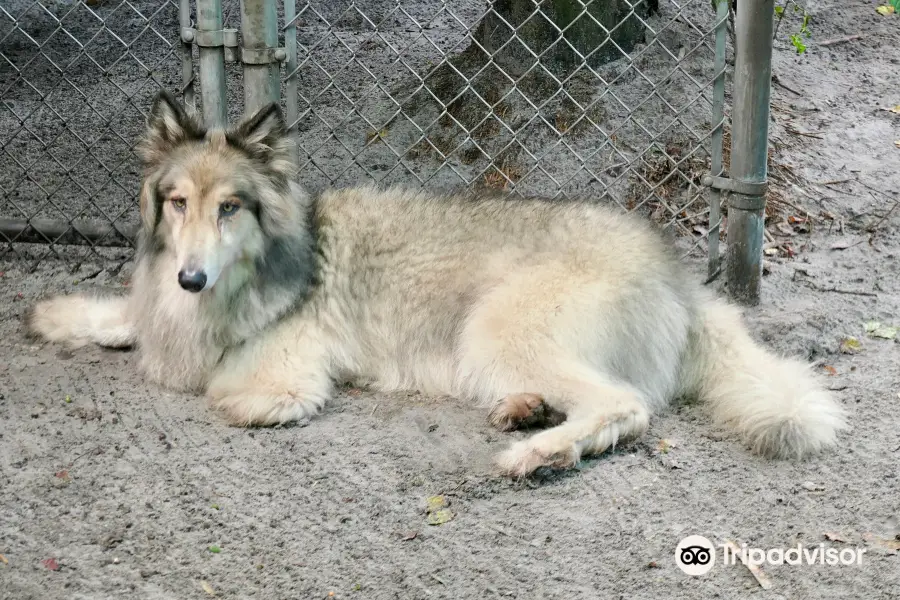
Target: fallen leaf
(761, 578)
(885, 10)
(834, 537)
(68, 399)
(896, 143)
(3, 560)
(436, 503)
(51, 564)
(809, 486)
(439, 517)
(771, 251)
(876, 329)
(831, 370)
(64, 474)
(895, 110)
(841, 245)
(665, 445)
(850, 345)
(214, 549)
(409, 535)
(207, 588)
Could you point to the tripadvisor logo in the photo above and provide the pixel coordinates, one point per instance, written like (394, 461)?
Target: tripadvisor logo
(696, 555)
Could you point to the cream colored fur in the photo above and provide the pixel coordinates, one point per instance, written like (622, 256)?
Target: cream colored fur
(566, 303)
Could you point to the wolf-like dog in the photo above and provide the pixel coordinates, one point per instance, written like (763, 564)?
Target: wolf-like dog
(264, 297)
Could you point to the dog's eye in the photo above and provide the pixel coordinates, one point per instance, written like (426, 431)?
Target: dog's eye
(179, 203)
(228, 208)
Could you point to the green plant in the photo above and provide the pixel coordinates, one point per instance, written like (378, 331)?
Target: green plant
(797, 38)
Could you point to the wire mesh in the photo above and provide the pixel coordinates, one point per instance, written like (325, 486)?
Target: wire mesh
(75, 81)
(405, 93)
(422, 92)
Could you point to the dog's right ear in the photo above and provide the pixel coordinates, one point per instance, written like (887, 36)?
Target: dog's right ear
(168, 125)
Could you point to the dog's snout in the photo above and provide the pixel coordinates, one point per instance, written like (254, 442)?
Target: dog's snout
(192, 281)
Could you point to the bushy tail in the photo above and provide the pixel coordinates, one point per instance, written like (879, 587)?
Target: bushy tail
(775, 404)
(78, 320)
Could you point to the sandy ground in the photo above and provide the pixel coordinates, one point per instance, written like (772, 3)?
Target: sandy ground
(111, 488)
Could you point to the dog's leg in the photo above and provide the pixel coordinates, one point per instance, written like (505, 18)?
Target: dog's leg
(600, 411)
(598, 418)
(543, 335)
(78, 320)
(283, 376)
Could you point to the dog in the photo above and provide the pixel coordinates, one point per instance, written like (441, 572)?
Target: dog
(265, 297)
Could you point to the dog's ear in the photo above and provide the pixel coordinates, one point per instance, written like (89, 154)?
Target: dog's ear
(264, 137)
(168, 125)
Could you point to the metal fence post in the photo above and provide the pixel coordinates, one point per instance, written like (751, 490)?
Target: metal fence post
(187, 52)
(292, 101)
(749, 148)
(260, 54)
(211, 40)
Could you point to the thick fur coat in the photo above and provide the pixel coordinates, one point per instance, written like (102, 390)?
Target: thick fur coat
(262, 297)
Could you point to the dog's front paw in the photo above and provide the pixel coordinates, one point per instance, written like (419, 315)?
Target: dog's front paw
(523, 458)
(245, 409)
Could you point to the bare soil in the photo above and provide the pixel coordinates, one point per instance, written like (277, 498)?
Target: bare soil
(112, 488)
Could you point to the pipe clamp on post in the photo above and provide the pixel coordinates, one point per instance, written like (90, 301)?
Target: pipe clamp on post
(218, 38)
(745, 195)
(262, 56)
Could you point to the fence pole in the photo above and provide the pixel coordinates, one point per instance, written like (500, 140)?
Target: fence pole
(187, 53)
(749, 148)
(292, 101)
(210, 39)
(260, 54)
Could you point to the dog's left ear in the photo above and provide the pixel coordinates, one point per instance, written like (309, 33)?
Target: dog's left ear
(264, 137)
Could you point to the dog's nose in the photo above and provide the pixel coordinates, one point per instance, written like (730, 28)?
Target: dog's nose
(192, 281)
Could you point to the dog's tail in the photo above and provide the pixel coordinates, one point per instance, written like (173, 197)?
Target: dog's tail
(775, 404)
(78, 320)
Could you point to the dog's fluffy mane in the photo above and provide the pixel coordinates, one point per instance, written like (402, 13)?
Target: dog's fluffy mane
(242, 303)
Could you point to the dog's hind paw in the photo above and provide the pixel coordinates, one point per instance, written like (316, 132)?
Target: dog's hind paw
(245, 409)
(522, 410)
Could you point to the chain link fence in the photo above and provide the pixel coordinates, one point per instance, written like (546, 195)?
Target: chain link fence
(612, 99)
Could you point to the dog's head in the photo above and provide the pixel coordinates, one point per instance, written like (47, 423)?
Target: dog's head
(214, 198)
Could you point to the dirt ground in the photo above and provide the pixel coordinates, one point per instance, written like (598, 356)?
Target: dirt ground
(111, 488)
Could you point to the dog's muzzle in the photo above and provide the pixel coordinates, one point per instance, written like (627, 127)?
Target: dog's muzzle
(192, 281)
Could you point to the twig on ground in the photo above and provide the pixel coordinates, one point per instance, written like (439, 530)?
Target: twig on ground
(835, 290)
(841, 40)
(82, 455)
(872, 188)
(792, 205)
(834, 181)
(761, 578)
(779, 83)
(874, 227)
(791, 129)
